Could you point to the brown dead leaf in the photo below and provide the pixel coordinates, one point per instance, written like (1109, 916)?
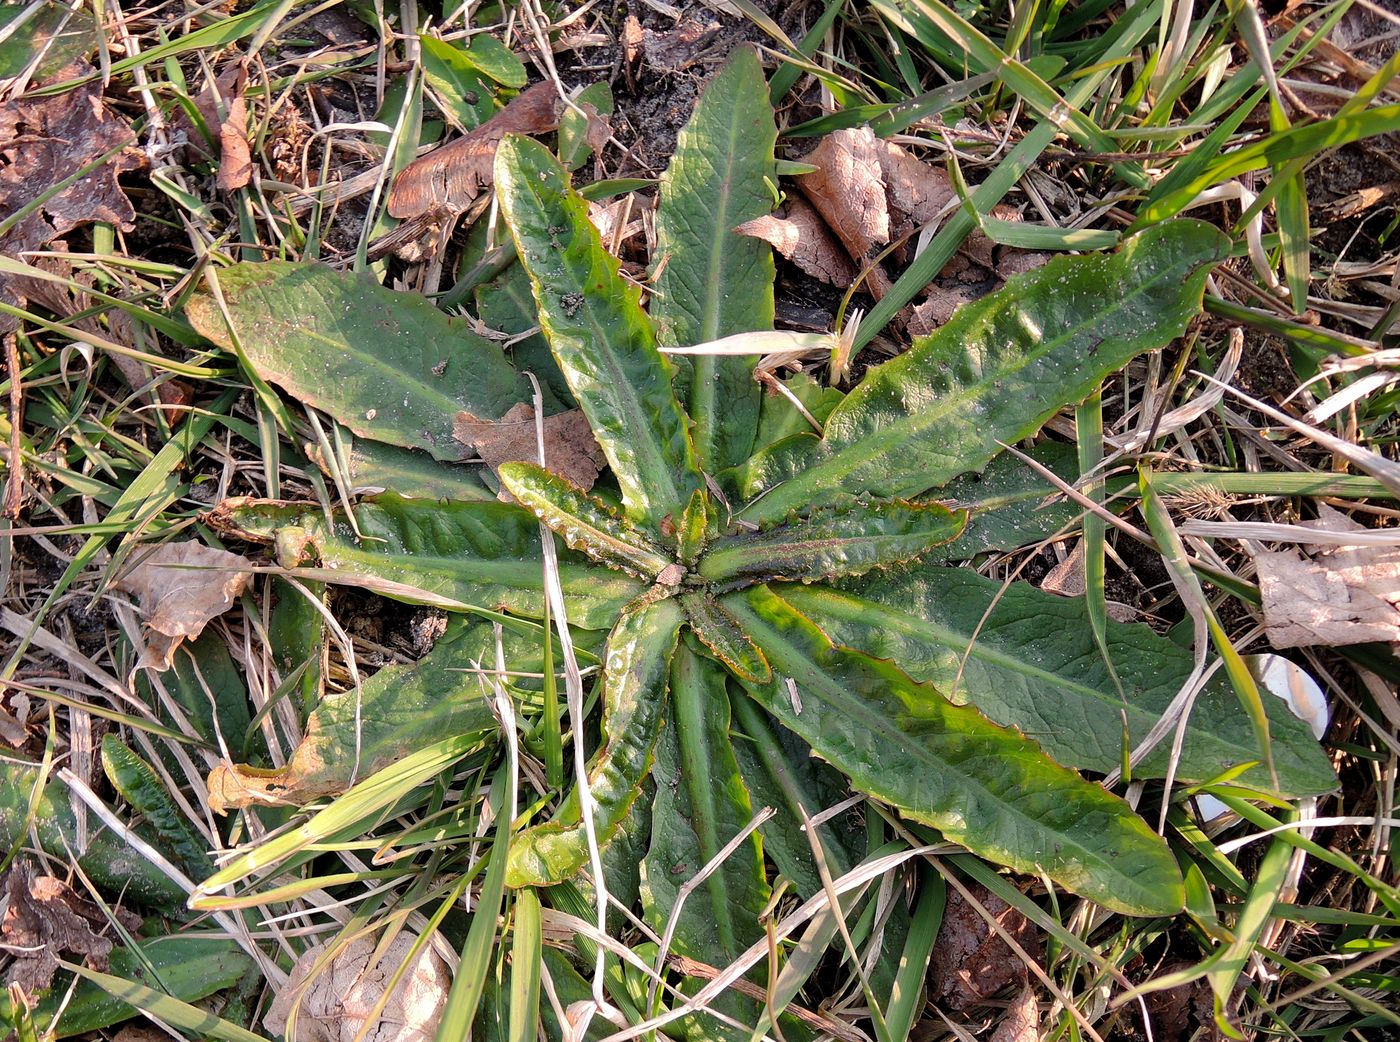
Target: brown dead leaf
(43, 141)
(1012, 261)
(450, 178)
(1067, 579)
(1341, 595)
(970, 961)
(938, 307)
(570, 449)
(1022, 1020)
(333, 1005)
(804, 238)
(46, 919)
(235, 156)
(915, 192)
(848, 190)
(181, 586)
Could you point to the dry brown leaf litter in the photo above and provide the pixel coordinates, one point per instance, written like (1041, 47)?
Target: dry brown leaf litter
(46, 920)
(181, 586)
(1339, 595)
(334, 1002)
(971, 962)
(803, 238)
(44, 141)
(449, 179)
(570, 450)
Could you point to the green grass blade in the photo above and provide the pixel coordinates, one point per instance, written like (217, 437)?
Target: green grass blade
(168, 1010)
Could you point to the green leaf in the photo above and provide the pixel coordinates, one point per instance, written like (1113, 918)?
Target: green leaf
(398, 711)
(602, 340)
(498, 61)
(574, 148)
(1002, 367)
(377, 467)
(139, 785)
(634, 695)
(780, 772)
(584, 523)
(1007, 504)
(1034, 665)
(190, 966)
(701, 804)
(778, 418)
(711, 281)
(165, 1008)
(830, 543)
(483, 555)
(108, 862)
(948, 766)
(460, 86)
(388, 365)
(721, 634)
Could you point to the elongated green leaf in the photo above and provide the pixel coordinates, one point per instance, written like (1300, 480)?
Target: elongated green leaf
(701, 804)
(1034, 665)
(192, 965)
(584, 523)
(719, 632)
(110, 863)
(635, 678)
(388, 365)
(830, 543)
(711, 281)
(600, 336)
(946, 765)
(1009, 505)
(139, 785)
(1001, 367)
(398, 711)
(481, 554)
(780, 772)
(167, 1009)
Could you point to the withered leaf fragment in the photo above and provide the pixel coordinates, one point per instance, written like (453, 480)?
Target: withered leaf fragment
(570, 449)
(449, 179)
(181, 586)
(44, 141)
(803, 237)
(1342, 595)
(971, 962)
(46, 919)
(848, 190)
